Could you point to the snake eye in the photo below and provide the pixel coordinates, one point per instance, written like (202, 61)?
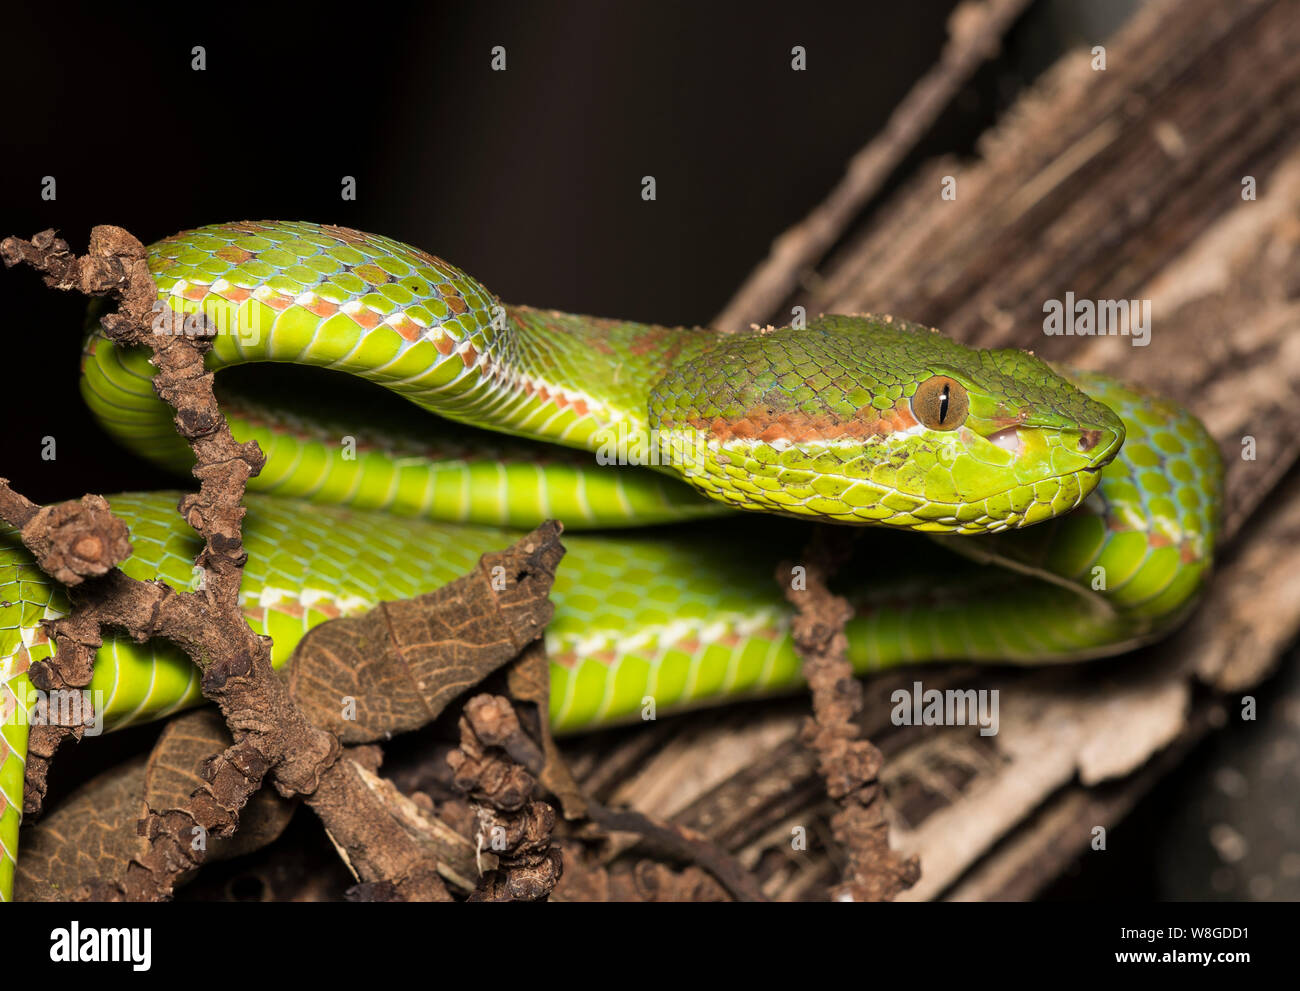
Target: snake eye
(940, 403)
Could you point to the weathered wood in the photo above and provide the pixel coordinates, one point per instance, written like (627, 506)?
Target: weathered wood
(1094, 182)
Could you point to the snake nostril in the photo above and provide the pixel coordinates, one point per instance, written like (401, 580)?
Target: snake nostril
(1088, 439)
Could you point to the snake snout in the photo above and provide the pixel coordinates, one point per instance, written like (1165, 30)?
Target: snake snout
(1100, 444)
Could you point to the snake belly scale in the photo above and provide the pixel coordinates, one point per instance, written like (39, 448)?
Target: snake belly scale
(439, 421)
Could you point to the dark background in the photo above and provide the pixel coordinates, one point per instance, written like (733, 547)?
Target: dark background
(530, 179)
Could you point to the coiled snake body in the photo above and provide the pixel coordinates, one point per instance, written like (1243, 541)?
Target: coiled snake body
(608, 425)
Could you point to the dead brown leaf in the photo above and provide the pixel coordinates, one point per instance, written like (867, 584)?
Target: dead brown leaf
(92, 836)
(396, 667)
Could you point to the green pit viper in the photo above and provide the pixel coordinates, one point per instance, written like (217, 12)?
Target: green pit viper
(607, 425)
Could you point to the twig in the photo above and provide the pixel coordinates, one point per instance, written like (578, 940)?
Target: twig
(849, 765)
(687, 844)
(490, 769)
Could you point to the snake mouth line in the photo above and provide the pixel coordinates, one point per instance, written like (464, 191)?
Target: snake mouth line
(1001, 492)
(952, 507)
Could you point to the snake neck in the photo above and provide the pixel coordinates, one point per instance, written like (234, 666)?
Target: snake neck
(576, 380)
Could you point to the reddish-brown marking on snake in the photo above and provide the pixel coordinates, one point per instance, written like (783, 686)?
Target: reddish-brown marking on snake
(234, 253)
(289, 607)
(1004, 422)
(649, 340)
(404, 325)
(236, 227)
(372, 273)
(365, 317)
(761, 423)
(322, 307)
(234, 294)
(22, 661)
(345, 234)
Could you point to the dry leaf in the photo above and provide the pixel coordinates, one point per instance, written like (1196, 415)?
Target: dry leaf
(92, 835)
(397, 667)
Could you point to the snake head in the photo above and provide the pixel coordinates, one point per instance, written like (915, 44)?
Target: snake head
(871, 420)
